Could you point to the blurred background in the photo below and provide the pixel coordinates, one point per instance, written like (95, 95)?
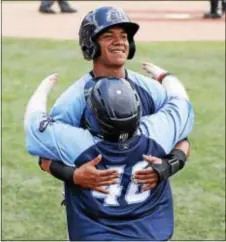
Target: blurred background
(178, 36)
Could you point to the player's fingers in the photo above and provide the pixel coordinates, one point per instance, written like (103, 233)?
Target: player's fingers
(100, 189)
(146, 64)
(48, 83)
(147, 181)
(106, 173)
(148, 158)
(96, 160)
(107, 178)
(53, 77)
(152, 175)
(152, 159)
(144, 172)
(107, 183)
(148, 187)
(147, 67)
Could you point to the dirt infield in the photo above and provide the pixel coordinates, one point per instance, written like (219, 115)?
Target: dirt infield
(159, 20)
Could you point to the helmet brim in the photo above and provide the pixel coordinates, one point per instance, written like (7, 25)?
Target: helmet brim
(129, 27)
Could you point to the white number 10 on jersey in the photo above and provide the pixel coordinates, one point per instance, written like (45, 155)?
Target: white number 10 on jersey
(132, 194)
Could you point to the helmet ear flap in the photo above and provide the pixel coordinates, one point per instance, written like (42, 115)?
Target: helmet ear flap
(88, 46)
(132, 49)
(89, 53)
(97, 50)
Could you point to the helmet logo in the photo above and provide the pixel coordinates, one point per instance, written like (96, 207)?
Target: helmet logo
(115, 15)
(123, 137)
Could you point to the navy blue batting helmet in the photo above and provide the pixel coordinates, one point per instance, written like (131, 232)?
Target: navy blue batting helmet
(114, 109)
(98, 21)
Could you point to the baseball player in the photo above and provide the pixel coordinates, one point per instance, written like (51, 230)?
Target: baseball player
(106, 37)
(129, 211)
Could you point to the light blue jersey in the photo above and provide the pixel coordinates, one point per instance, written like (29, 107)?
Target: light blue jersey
(70, 105)
(127, 213)
(60, 141)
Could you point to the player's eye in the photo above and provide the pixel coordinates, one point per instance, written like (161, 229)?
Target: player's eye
(107, 35)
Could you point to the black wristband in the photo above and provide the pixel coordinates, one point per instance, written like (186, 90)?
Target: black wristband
(62, 172)
(179, 155)
(171, 164)
(162, 170)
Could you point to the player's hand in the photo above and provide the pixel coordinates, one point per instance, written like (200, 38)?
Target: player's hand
(154, 71)
(148, 176)
(48, 83)
(87, 176)
(45, 164)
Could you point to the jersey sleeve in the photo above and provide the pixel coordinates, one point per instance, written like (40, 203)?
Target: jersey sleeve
(55, 140)
(156, 91)
(70, 105)
(158, 94)
(171, 124)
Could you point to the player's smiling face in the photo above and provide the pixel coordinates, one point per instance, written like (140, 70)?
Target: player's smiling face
(114, 47)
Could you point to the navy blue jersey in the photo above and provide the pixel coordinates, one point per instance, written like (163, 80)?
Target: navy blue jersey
(126, 213)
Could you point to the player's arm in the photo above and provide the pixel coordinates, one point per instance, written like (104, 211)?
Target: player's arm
(162, 168)
(49, 138)
(69, 107)
(57, 141)
(86, 176)
(175, 120)
(151, 177)
(181, 150)
(158, 74)
(159, 96)
(151, 90)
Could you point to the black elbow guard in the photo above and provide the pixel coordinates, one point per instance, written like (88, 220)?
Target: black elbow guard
(62, 172)
(171, 164)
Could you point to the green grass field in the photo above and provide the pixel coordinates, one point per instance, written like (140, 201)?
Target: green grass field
(31, 198)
